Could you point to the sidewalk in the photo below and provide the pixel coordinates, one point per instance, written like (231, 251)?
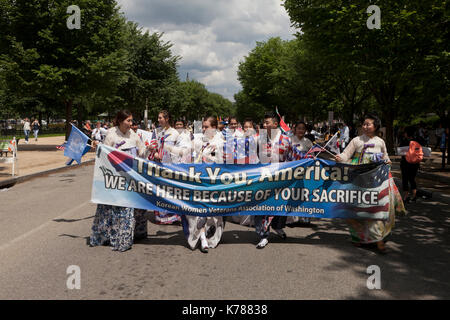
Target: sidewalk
(430, 168)
(38, 156)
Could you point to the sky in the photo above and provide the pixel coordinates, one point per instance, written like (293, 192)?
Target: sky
(211, 36)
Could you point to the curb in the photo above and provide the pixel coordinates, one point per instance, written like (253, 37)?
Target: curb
(13, 181)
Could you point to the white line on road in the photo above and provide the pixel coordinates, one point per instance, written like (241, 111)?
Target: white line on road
(42, 226)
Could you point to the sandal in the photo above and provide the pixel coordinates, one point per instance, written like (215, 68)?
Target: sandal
(381, 247)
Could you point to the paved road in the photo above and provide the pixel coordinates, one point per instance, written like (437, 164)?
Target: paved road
(45, 224)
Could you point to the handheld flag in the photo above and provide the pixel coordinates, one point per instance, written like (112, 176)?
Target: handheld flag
(76, 145)
(333, 144)
(284, 127)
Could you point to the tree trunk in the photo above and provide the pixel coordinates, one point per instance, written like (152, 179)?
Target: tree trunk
(68, 117)
(389, 139)
(80, 116)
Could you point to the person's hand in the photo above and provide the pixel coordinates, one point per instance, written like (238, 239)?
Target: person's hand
(338, 158)
(95, 143)
(388, 162)
(156, 156)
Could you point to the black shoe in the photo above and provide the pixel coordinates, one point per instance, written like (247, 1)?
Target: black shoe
(280, 233)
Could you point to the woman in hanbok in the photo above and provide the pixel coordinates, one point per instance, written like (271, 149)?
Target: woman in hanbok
(363, 149)
(166, 137)
(251, 150)
(300, 146)
(113, 224)
(205, 230)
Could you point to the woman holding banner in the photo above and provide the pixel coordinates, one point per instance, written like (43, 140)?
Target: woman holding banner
(299, 148)
(250, 149)
(363, 149)
(166, 138)
(207, 149)
(112, 224)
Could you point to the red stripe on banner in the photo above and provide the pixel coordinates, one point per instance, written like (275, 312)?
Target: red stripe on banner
(383, 193)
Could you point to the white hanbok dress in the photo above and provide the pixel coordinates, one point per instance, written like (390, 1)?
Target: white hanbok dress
(205, 152)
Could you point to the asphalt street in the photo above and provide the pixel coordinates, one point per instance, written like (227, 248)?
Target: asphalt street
(45, 224)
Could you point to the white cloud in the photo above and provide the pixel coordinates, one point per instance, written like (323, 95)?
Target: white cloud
(211, 36)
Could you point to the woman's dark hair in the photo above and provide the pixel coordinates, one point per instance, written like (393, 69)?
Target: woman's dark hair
(250, 121)
(376, 120)
(299, 123)
(181, 120)
(212, 120)
(121, 116)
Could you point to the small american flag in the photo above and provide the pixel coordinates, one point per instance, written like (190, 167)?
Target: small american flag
(61, 147)
(315, 148)
(154, 146)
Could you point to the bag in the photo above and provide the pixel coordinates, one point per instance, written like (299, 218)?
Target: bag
(415, 153)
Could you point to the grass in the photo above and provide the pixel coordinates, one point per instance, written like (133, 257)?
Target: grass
(31, 136)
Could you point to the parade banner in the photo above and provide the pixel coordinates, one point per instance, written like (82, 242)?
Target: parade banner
(310, 187)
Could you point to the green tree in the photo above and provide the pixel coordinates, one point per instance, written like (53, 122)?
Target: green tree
(46, 59)
(387, 60)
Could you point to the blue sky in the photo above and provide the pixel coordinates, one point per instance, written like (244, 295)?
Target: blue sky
(211, 36)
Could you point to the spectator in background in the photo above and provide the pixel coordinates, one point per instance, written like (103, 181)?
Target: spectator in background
(422, 135)
(345, 136)
(87, 128)
(443, 146)
(438, 133)
(99, 133)
(310, 133)
(135, 126)
(26, 129)
(220, 126)
(35, 127)
(409, 170)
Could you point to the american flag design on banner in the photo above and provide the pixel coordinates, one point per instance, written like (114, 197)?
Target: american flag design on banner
(375, 180)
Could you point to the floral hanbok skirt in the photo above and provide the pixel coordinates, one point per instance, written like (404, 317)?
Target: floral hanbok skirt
(116, 226)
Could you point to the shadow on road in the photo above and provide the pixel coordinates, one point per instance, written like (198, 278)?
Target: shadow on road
(415, 267)
(72, 220)
(418, 257)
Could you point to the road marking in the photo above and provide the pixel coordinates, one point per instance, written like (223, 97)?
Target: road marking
(42, 226)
